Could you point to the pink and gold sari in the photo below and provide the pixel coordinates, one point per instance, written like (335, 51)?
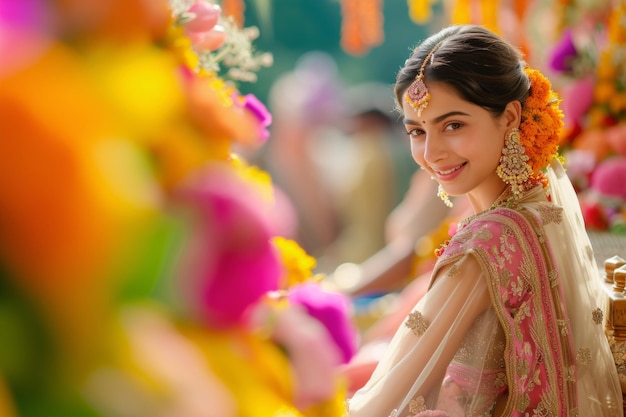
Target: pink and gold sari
(511, 325)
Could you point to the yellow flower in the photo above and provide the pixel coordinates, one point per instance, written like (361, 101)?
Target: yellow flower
(420, 11)
(297, 264)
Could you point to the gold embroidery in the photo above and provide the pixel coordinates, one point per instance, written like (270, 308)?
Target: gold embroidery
(597, 316)
(573, 412)
(541, 237)
(553, 277)
(484, 342)
(522, 402)
(583, 357)
(505, 277)
(563, 326)
(550, 213)
(528, 272)
(417, 405)
(589, 251)
(523, 368)
(505, 246)
(500, 380)
(417, 323)
(522, 313)
(545, 409)
(394, 413)
(536, 377)
(517, 288)
(454, 270)
(483, 234)
(571, 373)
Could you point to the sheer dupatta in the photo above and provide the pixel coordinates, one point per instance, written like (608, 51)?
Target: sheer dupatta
(598, 386)
(510, 324)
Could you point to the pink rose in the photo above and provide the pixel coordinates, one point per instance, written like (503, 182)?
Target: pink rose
(208, 41)
(205, 17)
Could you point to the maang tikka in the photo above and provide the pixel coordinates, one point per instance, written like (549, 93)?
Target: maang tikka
(417, 94)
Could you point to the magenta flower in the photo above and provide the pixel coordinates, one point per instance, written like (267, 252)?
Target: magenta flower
(258, 109)
(563, 53)
(332, 310)
(229, 263)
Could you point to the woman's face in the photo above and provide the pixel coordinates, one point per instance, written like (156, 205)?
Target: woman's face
(459, 144)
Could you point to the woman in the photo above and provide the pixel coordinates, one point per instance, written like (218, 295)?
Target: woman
(512, 323)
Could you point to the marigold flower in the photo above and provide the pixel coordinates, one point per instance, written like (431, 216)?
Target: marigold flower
(542, 121)
(297, 264)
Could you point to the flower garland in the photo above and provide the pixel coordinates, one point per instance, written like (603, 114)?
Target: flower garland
(420, 11)
(484, 12)
(361, 26)
(542, 120)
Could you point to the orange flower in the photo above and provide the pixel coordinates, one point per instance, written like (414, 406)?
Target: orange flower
(542, 121)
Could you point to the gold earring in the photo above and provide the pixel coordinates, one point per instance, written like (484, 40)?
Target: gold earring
(441, 193)
(514, 168)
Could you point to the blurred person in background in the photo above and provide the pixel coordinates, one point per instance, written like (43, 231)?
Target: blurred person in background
(376, 173)
(306, 106)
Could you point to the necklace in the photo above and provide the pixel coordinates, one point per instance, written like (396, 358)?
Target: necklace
(505, 199)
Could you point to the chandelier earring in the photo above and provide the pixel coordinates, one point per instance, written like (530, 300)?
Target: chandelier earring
(441, 193)
(514, 168)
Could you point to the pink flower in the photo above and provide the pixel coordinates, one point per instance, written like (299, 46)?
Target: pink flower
(577, 99)
(312, 353)
(202, 29)
(205, 17)
(260, 112)
(330, 309)
(230, 262)
(209, 40)
(608, 178)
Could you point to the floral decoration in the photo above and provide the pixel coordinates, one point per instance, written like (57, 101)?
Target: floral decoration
(361, 26)
(297, 264)
(541, 122)
(130, 231)
(590, 58)
(212, 43)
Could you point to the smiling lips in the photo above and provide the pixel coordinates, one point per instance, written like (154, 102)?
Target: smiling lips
(448, 174)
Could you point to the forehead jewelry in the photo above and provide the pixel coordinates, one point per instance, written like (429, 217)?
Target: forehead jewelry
(417, 94)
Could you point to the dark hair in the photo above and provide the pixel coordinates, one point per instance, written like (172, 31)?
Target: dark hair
(481, 66)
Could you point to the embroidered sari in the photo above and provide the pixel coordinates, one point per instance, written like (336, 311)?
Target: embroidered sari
(512, 323)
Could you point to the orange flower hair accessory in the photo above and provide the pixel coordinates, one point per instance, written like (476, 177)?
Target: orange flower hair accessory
(542, 120)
